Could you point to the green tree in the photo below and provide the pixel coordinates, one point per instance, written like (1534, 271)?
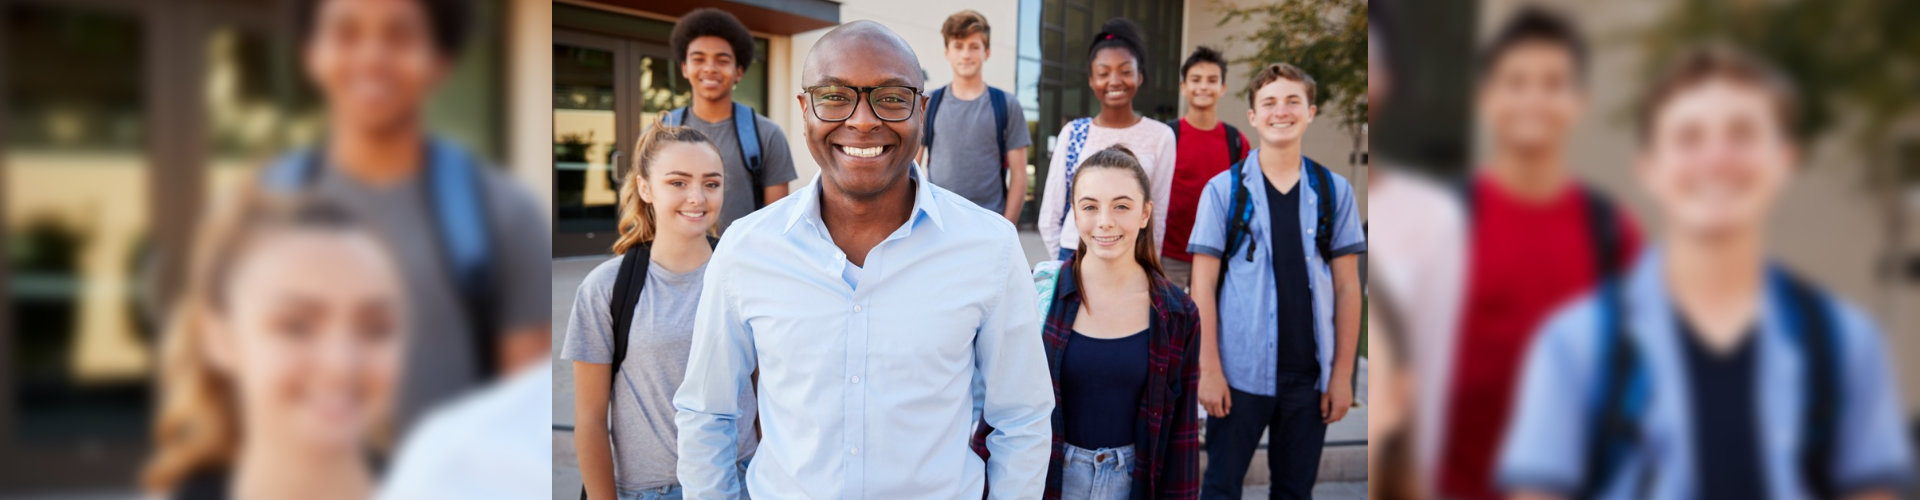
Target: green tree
(1860, 61)
(1327, 38)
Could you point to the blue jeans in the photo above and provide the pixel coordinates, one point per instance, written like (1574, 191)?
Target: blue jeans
(1102, 474)
(672, 491)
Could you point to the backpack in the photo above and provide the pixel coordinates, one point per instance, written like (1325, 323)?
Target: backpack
(747, 135)
(999, 101)
(1233, 139)
(1076, 139)
(453, 192)
(1623, 390)
(1240, 215)
(627, 286)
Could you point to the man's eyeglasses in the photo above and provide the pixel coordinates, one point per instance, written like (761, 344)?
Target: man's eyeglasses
(836, 103)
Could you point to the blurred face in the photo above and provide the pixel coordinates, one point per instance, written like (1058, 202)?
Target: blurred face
(1110, 209)
(685, 189)
(967, 54)
(1281, 112)
(374, 61)
(1202, 85)
(1531, 97)
(311, 337)
(711, 68)
(862, 156)
(1115, 77)
(1379, 77)
(1717, 157)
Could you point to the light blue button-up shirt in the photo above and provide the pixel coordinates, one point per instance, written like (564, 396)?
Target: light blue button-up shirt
(1544, 448)
(868, 386)
(1249, 299)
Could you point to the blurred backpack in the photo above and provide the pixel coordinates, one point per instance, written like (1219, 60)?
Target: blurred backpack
(1624, 390)
(454, 191)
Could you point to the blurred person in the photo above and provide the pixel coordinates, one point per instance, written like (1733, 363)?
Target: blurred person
(714, 51)
(1205, 146)
(460, 451)
(1709, 370)
(1537, 237)
(1123, 344)
(647, 293)
(885, 315)
(1392, 371)
(1276, 247)
(478, 286)
(1117, 63)
(1420, 258)
(985, 139)
(279, 368)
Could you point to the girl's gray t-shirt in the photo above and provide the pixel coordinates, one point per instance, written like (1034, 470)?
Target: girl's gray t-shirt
(644, 444)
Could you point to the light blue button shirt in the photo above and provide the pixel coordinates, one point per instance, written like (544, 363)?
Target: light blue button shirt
(1544, 448)
(867, 386)
(1249, 300)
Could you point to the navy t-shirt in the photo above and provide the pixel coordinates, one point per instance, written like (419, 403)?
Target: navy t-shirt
(1724, 420)
(1100, 385)
(1296, 345)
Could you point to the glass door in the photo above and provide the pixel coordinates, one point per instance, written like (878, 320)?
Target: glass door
(587, 133)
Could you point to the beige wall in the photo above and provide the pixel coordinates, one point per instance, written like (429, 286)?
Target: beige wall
(1326, 142)
(1826, 226)
(921, 28)
(529, 91)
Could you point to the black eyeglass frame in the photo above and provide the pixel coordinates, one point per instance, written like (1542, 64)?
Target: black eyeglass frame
(912, 109)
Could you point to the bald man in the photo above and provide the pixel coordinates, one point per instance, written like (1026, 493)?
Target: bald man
(885, 316)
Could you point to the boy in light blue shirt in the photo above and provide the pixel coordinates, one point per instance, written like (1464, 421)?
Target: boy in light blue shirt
(1275, 244)
(1709, 371)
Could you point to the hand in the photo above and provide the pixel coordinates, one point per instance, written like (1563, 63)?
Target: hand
(1334, 402)
(1214, 395)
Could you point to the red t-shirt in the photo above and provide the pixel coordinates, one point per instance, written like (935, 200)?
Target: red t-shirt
(1528, 258)
(1201, 155)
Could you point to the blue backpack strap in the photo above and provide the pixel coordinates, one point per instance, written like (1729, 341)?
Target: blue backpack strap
(1076, 138)
(1811, 322)
(455, 190)
(291, 172)
(747, 134)
(1239, 222)
(1621, 395)
(675, 117)
(1320, 180)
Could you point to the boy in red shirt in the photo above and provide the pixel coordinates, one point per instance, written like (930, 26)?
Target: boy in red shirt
(1537, 237)
(1204, 151)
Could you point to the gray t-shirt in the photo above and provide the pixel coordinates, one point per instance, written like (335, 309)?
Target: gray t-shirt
(644, 445)
(776, 162)
(440, 351)
(966, 154)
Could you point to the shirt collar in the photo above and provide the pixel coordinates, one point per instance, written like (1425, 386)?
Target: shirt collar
(808, 204)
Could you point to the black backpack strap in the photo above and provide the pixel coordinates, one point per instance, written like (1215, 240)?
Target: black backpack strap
(1239, 223)
(1322, 181)
(1614, 428)
(1603, 227)
(1175, 125)
(626, 295)
(999, 104)
(933, 108)
(1234, 146)
(1814, 321)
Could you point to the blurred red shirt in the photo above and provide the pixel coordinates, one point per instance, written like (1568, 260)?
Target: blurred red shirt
(1526, 259)
(1201, 154)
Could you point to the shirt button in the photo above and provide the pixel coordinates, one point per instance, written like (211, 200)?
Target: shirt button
(856, 308)
(854, 451)
(856, 379)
